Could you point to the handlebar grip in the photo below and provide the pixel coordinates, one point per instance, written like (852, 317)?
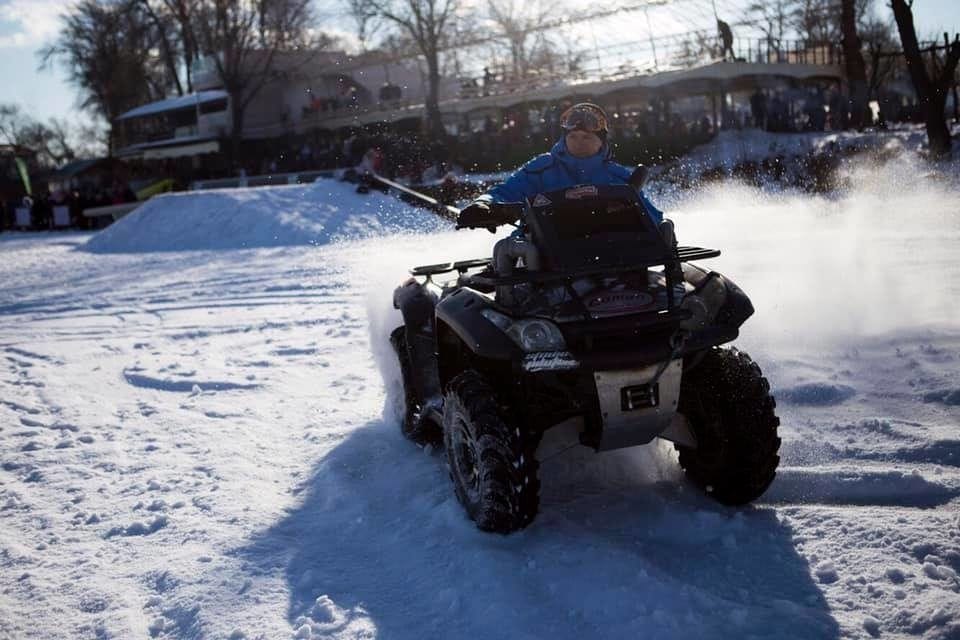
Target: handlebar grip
(507, 212)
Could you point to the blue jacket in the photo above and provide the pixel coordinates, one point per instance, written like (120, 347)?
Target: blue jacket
(559, 170)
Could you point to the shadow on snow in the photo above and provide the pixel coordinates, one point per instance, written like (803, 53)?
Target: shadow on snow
(380, 542)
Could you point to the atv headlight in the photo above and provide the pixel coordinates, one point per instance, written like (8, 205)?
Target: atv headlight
(531, 335)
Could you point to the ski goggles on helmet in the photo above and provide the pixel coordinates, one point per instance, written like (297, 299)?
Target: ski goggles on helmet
(584, 117)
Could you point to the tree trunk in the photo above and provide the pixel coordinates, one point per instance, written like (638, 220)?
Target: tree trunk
(938, 133)
(237, 113)
(166, 48)
(953, 82)
(434, 120)
(855, 66)
(933, 101)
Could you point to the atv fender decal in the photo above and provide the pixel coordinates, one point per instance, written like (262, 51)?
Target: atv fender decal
(613, 302)
(541, 200)
(549, 361)
(584, 191)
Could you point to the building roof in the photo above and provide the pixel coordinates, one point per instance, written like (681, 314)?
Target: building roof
(172, 104)
(187, 143)
(77, 167)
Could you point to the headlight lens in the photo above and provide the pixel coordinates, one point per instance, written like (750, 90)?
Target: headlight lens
(531, 335)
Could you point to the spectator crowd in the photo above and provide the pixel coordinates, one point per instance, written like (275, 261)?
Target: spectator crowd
(654, 131)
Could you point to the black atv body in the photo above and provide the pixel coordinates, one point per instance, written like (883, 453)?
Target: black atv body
(592, 317)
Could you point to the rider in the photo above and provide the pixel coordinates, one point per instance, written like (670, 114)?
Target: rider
(581, 156)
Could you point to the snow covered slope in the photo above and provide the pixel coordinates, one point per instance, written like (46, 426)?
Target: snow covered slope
(195, 443)
(315, 214)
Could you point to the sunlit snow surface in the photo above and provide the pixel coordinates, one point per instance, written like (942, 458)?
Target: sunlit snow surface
(200, 444)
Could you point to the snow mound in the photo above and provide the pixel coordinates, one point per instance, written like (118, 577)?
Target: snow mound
(950, 397)
(851, 486)
(317, 214)
(817, 394)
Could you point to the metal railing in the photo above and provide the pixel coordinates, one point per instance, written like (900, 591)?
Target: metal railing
(611, 63)
(263, 180)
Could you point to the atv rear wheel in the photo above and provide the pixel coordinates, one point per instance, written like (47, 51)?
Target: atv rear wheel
(728, 404)
(492, 464)
(415, 425)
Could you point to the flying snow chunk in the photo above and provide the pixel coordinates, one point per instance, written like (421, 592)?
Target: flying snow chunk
(826, 573)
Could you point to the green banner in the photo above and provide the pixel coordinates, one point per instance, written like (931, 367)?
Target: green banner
(148, 192)
(24, 175)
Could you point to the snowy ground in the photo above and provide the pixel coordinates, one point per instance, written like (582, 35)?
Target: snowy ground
(195, 443)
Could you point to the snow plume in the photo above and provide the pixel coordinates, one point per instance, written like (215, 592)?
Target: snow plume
(385, 267)
(823, 269)
(820, 269)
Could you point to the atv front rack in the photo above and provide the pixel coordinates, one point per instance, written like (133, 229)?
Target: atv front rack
(684, 254)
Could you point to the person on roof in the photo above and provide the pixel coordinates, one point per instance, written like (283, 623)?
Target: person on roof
(581, 156)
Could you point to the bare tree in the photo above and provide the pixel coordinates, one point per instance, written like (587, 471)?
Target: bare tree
(545, 56)
(773, 19)
(515, 22)
(930, 84)
(182, 13)
(695, 47)
(426, 22)
(245, 40)
(366, 19)
(54, 141)
(108, 50)
(855, 65)
(12, 124)
(48, 144)
(816, 21)
(878, 42)
(164, 28)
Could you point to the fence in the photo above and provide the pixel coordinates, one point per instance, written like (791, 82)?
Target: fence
(615, 62)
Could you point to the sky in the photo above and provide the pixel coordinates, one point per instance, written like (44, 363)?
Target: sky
(28, 25)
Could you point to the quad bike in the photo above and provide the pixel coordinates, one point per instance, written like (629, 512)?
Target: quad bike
(588, 315)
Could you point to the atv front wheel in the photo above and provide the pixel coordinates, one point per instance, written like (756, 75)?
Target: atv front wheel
(728, 404)
(415, 425)
(492, 464)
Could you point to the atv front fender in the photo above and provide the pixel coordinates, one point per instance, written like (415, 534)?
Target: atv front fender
(734, 307)
(460, 312)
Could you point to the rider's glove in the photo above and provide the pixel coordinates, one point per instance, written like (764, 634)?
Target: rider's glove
(477, 210)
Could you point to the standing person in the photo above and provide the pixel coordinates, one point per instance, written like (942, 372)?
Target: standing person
(488, 80)
(371, 162)
(726, 38)
(758, 109)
